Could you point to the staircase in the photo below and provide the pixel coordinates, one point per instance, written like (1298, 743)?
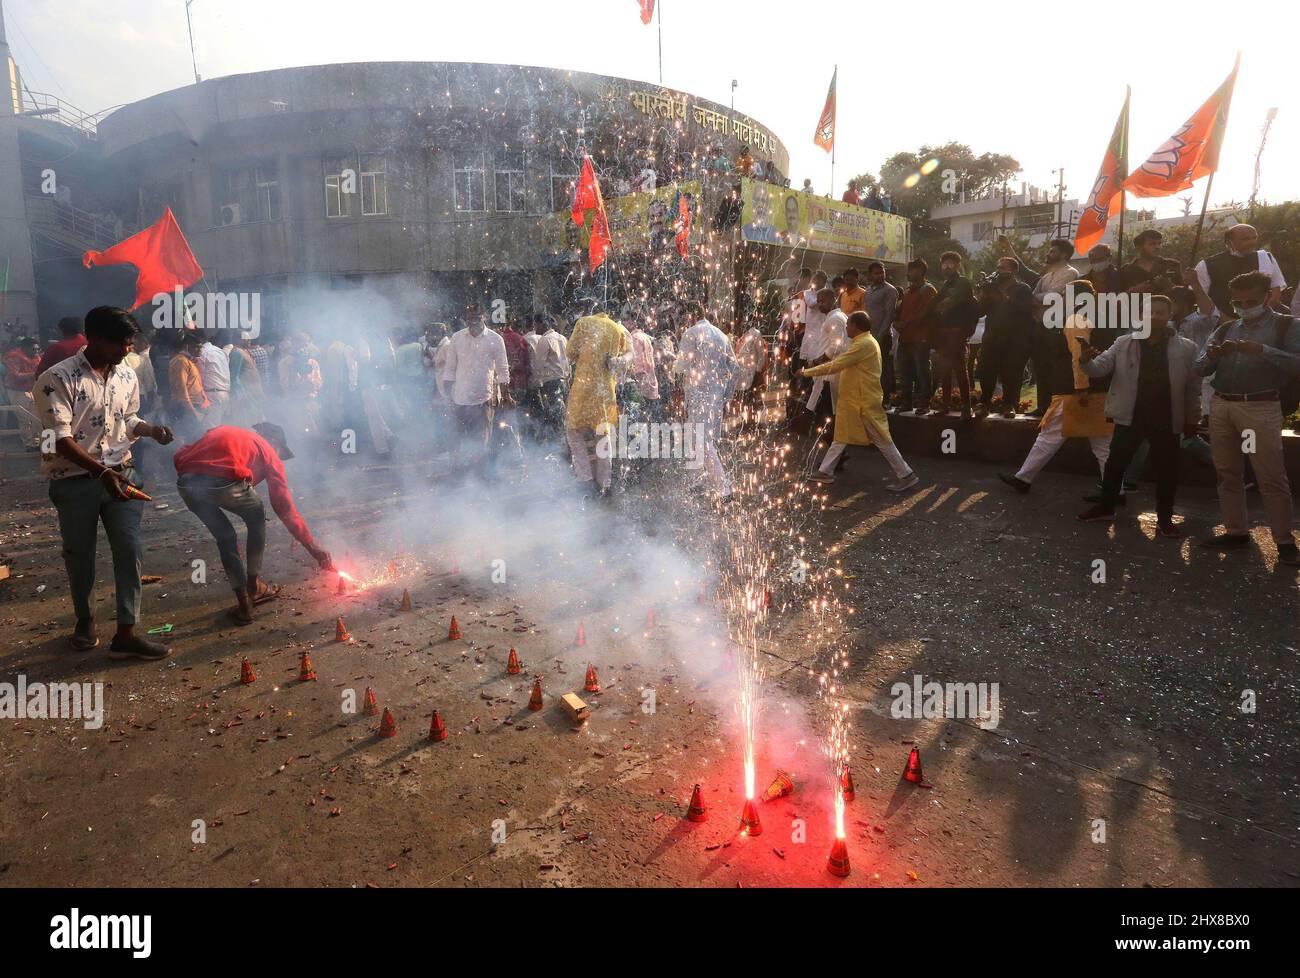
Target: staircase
(70, 229)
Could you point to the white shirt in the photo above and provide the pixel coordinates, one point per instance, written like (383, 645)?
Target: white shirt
(475, 365)
(812, 330)
(98, 414)
(752, 356)
(1267, 264)
(550, 362)
(214, 368)
(829, 337)
(1055, 280)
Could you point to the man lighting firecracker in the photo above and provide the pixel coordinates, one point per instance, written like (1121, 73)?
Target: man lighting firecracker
(859, 410)
(217, 475)
(90, 402)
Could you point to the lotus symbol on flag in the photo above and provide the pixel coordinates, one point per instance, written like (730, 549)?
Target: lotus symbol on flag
(1164, 161)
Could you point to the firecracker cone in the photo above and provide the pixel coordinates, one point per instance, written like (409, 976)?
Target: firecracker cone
(306, 672)
(392, 569)
(437, 729)
(454, 631)
(341, 631)
(695, 811)
(913, 772)
(781, 786)
(387, 724)
(406, 600)
(591, 684)
(581, 638)
(846, 783)
(767, 598)
(455, 566)
(650, 618)
(749, 823)
(343, 585)
(513, 668)
(246, 674)
(838, 863)
(368, 705)
(535, 701)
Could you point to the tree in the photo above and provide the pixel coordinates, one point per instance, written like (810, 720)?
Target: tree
(917, 182)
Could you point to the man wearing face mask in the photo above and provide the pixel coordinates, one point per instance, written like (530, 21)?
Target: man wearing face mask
(1252, 359)
(1242, 255)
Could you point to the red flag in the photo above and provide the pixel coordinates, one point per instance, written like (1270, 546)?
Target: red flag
(825, 134)
(683, 225)
(588, 198)
(1106, 197)
(1191, 152)
(647, 10)
(161, 255)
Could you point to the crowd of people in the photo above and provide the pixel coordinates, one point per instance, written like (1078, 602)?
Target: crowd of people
(1211, 368)
(1204, 361)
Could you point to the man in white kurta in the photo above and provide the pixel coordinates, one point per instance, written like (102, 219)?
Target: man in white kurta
(708, 370)
(477, 368)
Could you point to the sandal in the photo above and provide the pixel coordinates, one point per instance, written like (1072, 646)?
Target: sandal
(267, 592)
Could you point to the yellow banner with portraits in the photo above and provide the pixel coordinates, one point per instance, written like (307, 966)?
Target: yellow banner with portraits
(776, 215)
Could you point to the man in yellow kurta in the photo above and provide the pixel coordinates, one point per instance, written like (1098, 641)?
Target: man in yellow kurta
(1080, 414)
(860, 410)
(597, 342)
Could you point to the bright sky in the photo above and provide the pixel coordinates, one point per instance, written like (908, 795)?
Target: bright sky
(1039, 81)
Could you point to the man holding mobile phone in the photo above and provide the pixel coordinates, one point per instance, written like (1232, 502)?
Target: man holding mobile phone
(90, 402)
(1253, 360)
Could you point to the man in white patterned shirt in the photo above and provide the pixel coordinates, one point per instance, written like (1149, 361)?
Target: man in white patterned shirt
(89, 403)
(477, 369)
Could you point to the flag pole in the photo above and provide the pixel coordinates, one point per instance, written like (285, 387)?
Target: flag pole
(659, 20)
(1119, 252)
(1200, 224)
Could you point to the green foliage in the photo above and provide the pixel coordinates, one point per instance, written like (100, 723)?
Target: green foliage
(979, 175)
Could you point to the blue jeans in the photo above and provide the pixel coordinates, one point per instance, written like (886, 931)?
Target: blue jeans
(82, 502)
(209, 497)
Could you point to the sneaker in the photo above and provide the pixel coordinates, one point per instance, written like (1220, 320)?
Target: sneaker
(136, 647)
(1226, 542)
(1019, 485)
(820, 477)
(1289, 555)
(83, 635)
(1167, 528)
(903, 484)
(1096, 499)
(1098, 514)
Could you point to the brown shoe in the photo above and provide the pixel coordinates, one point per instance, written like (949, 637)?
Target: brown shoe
(83, 635)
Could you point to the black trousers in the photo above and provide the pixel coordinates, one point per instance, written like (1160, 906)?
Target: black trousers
(1005, 363)
(1165, 454)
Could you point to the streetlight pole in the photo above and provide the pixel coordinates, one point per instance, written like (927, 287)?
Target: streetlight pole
(189, 22)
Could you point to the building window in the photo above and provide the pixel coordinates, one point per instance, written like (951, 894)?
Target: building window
(563, 187)
(983, 230)
(339, 187)
(508, 172)
(246, 194)
(470, 178)
(374, 186)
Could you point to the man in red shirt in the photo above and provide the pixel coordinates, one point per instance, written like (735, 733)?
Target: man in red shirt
(218, 473)
(70, 328)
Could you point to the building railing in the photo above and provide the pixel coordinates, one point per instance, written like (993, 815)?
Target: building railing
(42, 106)
(71, 226)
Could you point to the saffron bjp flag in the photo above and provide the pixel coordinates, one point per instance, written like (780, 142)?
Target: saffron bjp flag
(1106, 197)
(160, 254)
(586, 198)
(1190, 153)
(647, 10)
(825, 135)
